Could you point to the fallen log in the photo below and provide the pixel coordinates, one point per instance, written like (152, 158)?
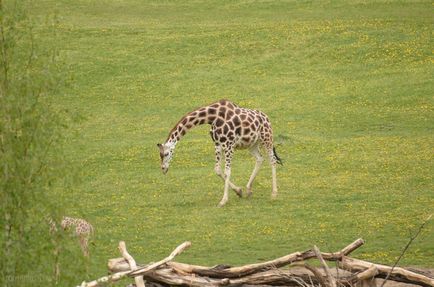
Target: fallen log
(170, 277)
(275, 277)
(270, 273)
(222, 271)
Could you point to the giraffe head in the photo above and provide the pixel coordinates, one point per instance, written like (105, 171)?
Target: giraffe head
(166, 154)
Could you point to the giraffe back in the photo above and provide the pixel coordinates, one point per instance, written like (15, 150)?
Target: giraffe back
(80, 226)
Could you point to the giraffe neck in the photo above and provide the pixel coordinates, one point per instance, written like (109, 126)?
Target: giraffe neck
(197, 117)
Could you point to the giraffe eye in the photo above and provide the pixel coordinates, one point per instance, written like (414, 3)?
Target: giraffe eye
(166, 154)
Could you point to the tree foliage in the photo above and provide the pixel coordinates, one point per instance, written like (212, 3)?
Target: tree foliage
(31, 129)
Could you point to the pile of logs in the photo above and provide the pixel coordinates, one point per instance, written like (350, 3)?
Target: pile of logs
(347, 271)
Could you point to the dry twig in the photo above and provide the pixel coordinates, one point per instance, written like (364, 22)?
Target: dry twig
(412, 238)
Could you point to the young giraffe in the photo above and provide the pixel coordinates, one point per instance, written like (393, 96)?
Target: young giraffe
(232, 127)
(83, 230)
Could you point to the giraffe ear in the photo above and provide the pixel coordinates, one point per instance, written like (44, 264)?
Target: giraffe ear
(160, 147)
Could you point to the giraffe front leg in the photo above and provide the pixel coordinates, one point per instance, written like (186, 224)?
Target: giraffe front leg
(84, 245)
(218, 171)
(238, 190)
(228, 159)
(225, 194)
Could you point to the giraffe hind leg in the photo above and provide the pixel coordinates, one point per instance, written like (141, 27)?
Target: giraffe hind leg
(259, 159)
(267, 142)
(273, 162)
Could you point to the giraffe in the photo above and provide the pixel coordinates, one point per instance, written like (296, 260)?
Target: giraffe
(232, 127)
(82, 229)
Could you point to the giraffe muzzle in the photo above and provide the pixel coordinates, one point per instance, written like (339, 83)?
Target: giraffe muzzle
(164, 170)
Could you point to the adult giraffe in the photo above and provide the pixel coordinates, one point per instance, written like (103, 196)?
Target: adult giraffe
(232, 127)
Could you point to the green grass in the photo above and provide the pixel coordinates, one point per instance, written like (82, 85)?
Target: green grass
(347, 85)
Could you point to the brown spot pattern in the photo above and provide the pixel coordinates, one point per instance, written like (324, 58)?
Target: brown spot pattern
(231, 126)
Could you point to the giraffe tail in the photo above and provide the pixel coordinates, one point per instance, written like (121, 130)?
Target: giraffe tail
(278, 159)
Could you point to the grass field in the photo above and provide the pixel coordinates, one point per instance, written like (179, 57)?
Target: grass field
(348, 86)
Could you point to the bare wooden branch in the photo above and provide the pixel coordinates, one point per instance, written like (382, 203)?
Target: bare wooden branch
(331, 282)
(172, 255)
(406, 247)
(317, 274)
(106, 279)
(116, 265)
(367, 276)
(396, 274)
(369, 273)
(350, 248)
(133, 266)
(118, 276)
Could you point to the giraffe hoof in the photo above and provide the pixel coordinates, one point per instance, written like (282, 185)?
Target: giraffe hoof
(273, 195)
(249, 192)
(239, 192)
(221, 204)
